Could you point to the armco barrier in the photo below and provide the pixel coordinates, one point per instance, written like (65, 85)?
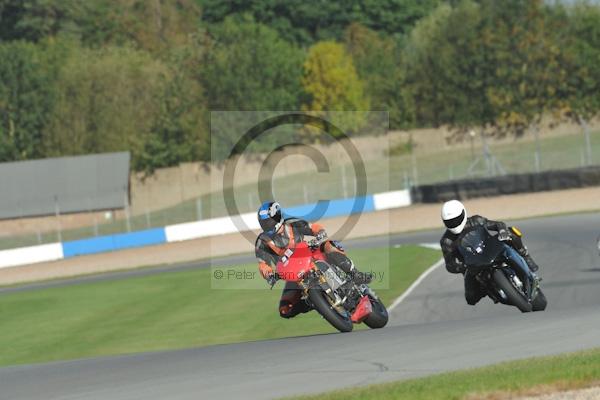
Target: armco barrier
(194, 230)
(507, 184)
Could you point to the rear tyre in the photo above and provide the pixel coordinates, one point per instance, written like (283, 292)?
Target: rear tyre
(379, 317)
(321, 304)
(514, 297)
(540, 302)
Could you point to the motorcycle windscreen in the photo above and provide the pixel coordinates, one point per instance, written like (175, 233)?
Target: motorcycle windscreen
(480, 249)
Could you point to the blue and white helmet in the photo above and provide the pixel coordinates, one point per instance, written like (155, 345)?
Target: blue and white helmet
(269, 216)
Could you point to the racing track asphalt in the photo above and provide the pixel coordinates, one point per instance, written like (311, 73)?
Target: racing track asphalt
(432, 331)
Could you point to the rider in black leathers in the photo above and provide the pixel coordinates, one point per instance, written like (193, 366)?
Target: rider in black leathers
(456, 220)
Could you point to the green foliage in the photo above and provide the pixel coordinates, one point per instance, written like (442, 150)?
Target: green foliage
(377, 60)
(27, 94)
(488, 64)
(448, 68)
(529, 69)
(580, 39)
(102, 75)
(332, 84)
(308, 21)
(246, 66)
(107, 101)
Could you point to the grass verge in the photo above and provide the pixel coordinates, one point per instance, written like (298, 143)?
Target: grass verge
(501, 381)
(169, 310)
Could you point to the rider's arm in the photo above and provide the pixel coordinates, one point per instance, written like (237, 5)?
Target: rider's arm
(316, 228)
(454, 264)
(265, 259)
(305, 227)
(491, 225)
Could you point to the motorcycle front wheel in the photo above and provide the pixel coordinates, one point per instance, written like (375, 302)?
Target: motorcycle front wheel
(378, 317)
(321, 303)
(514, 296)
(540, 302)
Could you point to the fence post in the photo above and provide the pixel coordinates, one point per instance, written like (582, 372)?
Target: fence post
(199, 208)
(588, 146)
(126, 204)
(57, 216)
(344, 183)
(89, 201)
(538, 161)
(148, 220)
(415, 169)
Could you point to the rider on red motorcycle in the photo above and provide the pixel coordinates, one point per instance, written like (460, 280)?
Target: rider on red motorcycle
(280, 234)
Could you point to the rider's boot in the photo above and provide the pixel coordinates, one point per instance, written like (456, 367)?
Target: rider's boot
(532, 265)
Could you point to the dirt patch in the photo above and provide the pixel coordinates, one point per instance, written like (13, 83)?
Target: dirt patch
(421, 216)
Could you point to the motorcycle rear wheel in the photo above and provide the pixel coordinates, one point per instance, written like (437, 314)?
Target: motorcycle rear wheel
(514, 297)
(321, 304)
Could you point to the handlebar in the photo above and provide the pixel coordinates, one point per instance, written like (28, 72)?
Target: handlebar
(318, 240)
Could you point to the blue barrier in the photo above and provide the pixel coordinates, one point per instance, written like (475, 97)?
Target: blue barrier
(114, 242)
(331, 208)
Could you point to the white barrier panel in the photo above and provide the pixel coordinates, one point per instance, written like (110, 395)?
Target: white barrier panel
(384, 201)
(30, 255)
(211, 227)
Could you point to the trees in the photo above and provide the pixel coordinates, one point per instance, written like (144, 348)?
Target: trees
(449, 69)
(107, 101)
(27, 93)
(305, 22)
(247, 66)
(332, 84)
(378, 64)
(581, 43)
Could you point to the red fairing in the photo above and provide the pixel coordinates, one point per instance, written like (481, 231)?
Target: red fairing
(362, 311)
(297, 262)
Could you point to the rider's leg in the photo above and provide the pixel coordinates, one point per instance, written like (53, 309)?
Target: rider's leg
(291, 303)
(517, 244)
(473, 290)
(336, 255)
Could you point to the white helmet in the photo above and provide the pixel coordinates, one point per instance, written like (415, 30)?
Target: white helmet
(454, 216)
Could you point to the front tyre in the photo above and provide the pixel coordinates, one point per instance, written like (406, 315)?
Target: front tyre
(514, 296)
(321, 304)
(540, 302)
(378, 317)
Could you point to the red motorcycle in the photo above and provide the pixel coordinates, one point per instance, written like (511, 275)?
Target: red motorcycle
(327, 289)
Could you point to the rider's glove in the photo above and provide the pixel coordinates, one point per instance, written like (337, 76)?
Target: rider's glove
(321, 235)
(271, 280)
(503, 235)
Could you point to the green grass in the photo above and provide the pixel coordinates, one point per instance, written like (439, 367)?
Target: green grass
(559, 372)
(168, 311)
